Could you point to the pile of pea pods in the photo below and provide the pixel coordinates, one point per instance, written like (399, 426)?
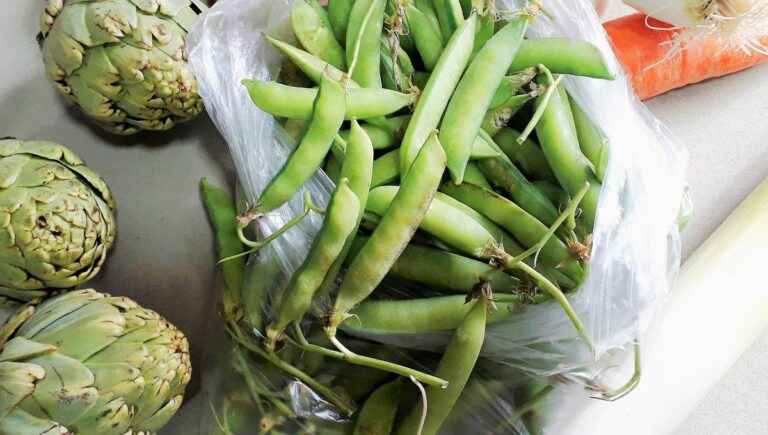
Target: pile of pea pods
(466, 187)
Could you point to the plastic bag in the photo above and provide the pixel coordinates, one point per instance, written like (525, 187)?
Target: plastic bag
(636, 246)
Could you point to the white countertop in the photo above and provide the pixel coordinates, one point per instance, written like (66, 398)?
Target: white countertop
(164, 256)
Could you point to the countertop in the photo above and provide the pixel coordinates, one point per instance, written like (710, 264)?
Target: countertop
(164, 256)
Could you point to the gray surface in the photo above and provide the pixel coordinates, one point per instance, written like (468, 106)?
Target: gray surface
(164, 255)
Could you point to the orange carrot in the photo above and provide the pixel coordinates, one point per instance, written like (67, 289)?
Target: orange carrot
(654, 69)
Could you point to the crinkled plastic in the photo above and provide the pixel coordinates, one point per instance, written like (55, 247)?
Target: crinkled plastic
(636, 240)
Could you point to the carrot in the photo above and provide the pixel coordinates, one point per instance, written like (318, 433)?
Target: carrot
(654, 69)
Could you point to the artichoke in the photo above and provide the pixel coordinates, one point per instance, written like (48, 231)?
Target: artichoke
(56, 219)
(89, 363)
(122, 62)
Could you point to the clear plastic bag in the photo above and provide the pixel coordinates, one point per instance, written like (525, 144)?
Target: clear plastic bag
(636, 243)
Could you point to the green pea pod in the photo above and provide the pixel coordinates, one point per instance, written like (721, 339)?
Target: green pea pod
(560, 143)
(378, 414)
(428, 40)
(223, 214)
(450, 16)
(563, 56)
(386, 169)
(327, 117)
(396, 228)
(297, 103)
(554, 192)
(593, 142)
(338, 15)
(498, 118)
(422, 316)
(503, 174)
(444, 220)
(485, 31)
(358, 169)
(309, 64)
(525, 228)
(444, 270)
(328, 245)
(313, 29)
(474, 94)
(511, 86)
(528, 155)
(381, 139)
(456, 366)
(435, 96)
(427, 8)
(475, 176)
(366, 22)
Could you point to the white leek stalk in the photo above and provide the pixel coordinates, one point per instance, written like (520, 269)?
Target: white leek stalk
(740, 22)
(718, 308)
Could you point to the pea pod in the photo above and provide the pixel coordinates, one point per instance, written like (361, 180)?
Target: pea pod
(297, 103)
(503, 174)
(444, 270)
(593, 142)
(563, 56)
(327, 117)
(358, 169)
(455, 366)
(443, 220)
(560, 143)
(511, 86)
(222, 214)
(474, 94)
(309, 64)
(450, 16)
(396, 228)
(437, 93)
(313, 29)
(386, 169)
(378, 414)
(395, 76)
(338, 15)
(366, 21)
(525, 228)
(498, 118)
(428, 40)
(527, 154)
(554, 192)
(422, 316)
(381, 139)
(326, 248)
(475, 176)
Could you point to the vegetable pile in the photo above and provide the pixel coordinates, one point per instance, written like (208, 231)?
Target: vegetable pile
(467, 184)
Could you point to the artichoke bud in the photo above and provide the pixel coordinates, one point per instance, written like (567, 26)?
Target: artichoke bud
(87, 363)
(57, 219)
(97, 51)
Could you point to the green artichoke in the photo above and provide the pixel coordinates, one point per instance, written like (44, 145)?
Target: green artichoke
(56, 219)
(92, 364)
(122, 61)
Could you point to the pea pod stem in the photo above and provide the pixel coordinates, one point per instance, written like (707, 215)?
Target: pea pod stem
(565, 216)
(525, 408)
(236, 333)
(256, 246)
(347, 355)
(545, 99)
